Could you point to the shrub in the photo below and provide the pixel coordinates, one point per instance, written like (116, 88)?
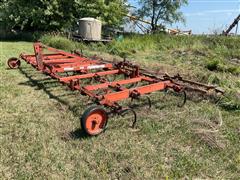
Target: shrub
(212, 65)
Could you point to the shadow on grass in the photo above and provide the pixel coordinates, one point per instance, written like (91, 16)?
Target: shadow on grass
(78, 134)
(40, 85)
(43, 84)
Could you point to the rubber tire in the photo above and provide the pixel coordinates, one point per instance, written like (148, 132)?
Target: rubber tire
(13, 59)
(88, 112)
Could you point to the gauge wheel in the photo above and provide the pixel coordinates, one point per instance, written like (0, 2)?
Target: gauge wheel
(13, 63)
(94, 120)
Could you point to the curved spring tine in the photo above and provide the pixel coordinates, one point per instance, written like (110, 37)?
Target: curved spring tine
(149, 102)
(184, 99)
(165, 91)
(134, 113)
(148, 99)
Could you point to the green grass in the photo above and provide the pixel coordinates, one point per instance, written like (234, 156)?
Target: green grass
(40, 129)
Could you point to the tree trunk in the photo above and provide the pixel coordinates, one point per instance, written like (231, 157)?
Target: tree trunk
(153, 25)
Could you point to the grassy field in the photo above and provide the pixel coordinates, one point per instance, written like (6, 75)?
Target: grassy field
(41, 137)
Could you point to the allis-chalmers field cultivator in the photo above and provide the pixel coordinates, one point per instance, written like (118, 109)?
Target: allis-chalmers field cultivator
(113, 82)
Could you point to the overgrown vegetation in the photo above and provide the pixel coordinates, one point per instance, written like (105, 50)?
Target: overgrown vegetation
(39, 121)
(58, 42)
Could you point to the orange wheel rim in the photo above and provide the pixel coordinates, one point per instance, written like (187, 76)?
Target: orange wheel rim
(95, 122)
(13, 63)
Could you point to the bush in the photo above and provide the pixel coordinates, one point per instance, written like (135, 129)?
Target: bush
(58, 42)
(212, 65)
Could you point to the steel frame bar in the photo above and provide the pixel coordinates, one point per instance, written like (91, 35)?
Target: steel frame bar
(77, 67)
(113, 84)
(117, 96)
(60, 61)
(89, 75)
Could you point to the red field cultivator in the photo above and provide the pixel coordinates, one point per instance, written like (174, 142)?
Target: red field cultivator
(106, 83)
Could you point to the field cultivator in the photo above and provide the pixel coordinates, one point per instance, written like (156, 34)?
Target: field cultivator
(105, 83)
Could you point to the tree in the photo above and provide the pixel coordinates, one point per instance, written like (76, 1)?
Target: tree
(36, 14)
(161, 11)
(47, 15)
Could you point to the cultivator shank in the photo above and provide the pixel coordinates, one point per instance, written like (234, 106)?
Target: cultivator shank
(92, 77)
